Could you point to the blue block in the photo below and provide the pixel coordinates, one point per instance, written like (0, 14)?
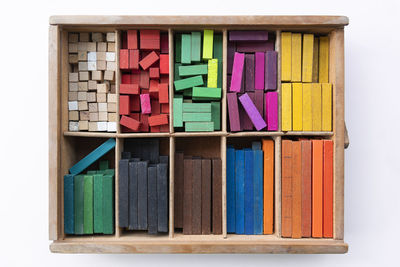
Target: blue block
(256, 145)
(69, 226)
(93, 156)
(248, 192)
(230, 192)
(258, 191)
(239, 183)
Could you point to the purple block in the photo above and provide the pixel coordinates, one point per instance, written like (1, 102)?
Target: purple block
(252, 111)
(260, 71)
(240, 36)
(228, 81)
(237, 72)
(249, 66)
(271, 110)
(270, 70)
(259, 101)
(231, 53)
(233, 110)
(245, 122)
(252, 47)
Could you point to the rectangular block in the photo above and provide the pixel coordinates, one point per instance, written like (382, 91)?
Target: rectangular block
(154, 73)
(150, 39)
(297, 91)
(286, 183)
(248, 192)
(196, 202)
(296, 57)
(110, 37)
(149, 60)
(88, 205)
(145, 103)
(245, 36)
(258, 99)
(187, 196)
(252, 112)
(258, 183)
(196, 117)
(196, 107)
(308, 51)
(286, 106)
(296, 190)
(205, 196)
(306, 188)
(250, 72)
(328, 189)
(133, 59)
(216, 115)
(271, 110)
(208, 37)
(217, 196)
(252, 47)
(78, 204)
(316, 106)
(124, 59)
(129, 89)
(162, 197)
(188, 83)
(233, 111)
(327, 107)
(191, 70)
(178, 190)
(231, 52)
(142, 195)
(152, 219)
(237, 72)
(230, 190)
(163, 93)
(132, 39)
(195, 46)
(123, 189)
(108, 204)
(199, 126)
(286, 56)
(164, 43)
(218, 54)
(268, 177)
(156, 120)
(212, 77)
(307, 107)
(69, 227)
(323, 59)
(124, 105)
(129, 123)
(317, 188)
(206, 93)
(186, 49)
(259, 70)
(177, 111)
(315, 70)
(239, 183)
(178, 47)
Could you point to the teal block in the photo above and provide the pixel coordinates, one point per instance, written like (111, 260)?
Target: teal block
(196, 46)
(186, 50)
(192, 70)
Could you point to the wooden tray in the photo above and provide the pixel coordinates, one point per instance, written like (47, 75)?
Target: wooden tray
(65, 147)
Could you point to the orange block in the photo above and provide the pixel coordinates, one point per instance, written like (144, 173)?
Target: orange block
(132, 39)
(158, 120)
(129, 89)
(317, 188)
(124, 105)
(129, 123)
(149, 60)
(286, 183)
(134, 59)
(268, 149)
(296, 190)
(163, 93)
(306, 188)
(328, 189)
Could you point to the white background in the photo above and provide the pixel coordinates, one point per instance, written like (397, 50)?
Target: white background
(372, 108)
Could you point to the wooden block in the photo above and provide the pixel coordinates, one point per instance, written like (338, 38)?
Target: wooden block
(178, 190)
(248, 192)
(191, 70)
(237, 72)
(286, 183)
(73, 86)
(195, 46)
(82, 96)
(328, 189)
(130, 89)
(110, 36)
(268, 175)
(186, 49)
(326, 107)
(306, 188)
(259, 70)
(110, 66)
(134, 59)
(270, 70)
(73, 115)
(123, 193)
(112, 89)
(154, 73)
(196, 107)
(196, 117)
(101, 98)
(102, 107)
(73, 105)
(82, 86)
(144, 82)
(212, 78)
(83, 105)
(164, 78)
(297, 91)
(150, 39)
(230, 190)
(92, 56)
(124, 108)
(286, 106)
(199, 126)
(317, 188)
(69, 224)
(233, 111)
(296, 57)
(91, 97)
(152, 220)
(258, 99)
(258, 188)
(109, 75)
(208, 37)
(97, 37)
(112, 116)
(217, 196)
(132, 39)
(164, 64)
(316, 106)
(231, 51)
(197, 201)
(84, 115)
(164, 43)
(217, 53)
(165, 108)
(92, 85)
(133, 192)
(239, 184)
(124, 59)
(78, 204)
(163, 93)
(142, 195)
(98, 203)
(103, 116)
(308, 51)
(307, 107)
(111, 47)
(73, 47)
(101, 126)
(83, 125)
(82, 56)
(97, 75)
(252, 112)
(296, 190)
(91, 46)
(145, 103)
(178, 47)
(72, 96)
(153, 90)
(187, 196)
(82, 66)
(177, 111)
(271, 110)
(73, 37)
(315, 70)
(101, 46)
(149, 60)
(84, 37)
(73, 77)
(205, 196)
(206, 93)
(188, 82)
(244, 36)
(249, 79)
(112, 98)
(92, 126)
(129, 123)
(156, 120)
(323, 59)
(73, 126)
(252, 47)
(286, 56)
(108, 204)
(94, 116)
(162, 197)
(134, 103)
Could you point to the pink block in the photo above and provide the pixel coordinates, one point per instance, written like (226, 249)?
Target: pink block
(271, 110)
(259, 71)
(252, 111)
(237, 72)
(145, 103)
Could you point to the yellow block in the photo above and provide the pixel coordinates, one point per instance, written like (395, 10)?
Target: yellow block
(212, 75)
(286, 56)
(297, 91)
(296, 57)
(315, 68)
(286, 106)
(316, 99)
(308, 50)
(208, 44)
(327, 107)
(323, 59)
(307, 110)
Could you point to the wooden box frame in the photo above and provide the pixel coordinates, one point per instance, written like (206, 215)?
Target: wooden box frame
(62, 142)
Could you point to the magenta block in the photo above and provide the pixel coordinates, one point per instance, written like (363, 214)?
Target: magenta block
(249, 78)
(271, 110)
(245, 122)
(270, 70)
(231, 54)
(252, 111)
(252, 47)
(145, 103)
(243, 36)
(237, 72)
(233, 111)
(260, 71)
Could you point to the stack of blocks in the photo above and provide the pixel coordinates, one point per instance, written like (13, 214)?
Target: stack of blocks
(144, 98)
(252, 65)
(198, 81)
(92, 100)
(306, 91)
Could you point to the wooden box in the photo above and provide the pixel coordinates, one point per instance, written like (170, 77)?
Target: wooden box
(65, 147)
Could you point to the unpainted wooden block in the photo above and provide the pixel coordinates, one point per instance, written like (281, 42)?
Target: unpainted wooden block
(73, 77)
(110, 36)
(82, 86)
(73, 87)
(101, 46)
(102, 88)
(101, 126)
(73, 115)
(102, 107)
(91, 47)
(73, 126)
(111, 126)
(73, 47)
(109, 75)
(91, 97)
(83, 125)
(74, 68)
(97, 75)
(92, 126)
(93, 107)
(73, 58)
(82, 46)
(112, 88)
(101, 98)
(93, 116)
(101, 65)
(92, 56)
(110, 65)
(83, 75)
(110, 56)
(97, 37)
(84, 115)
(111, 47)
(72, 96)
(73, 37)
(83, 66)
(112, 107)
(82, 56)
(84, 37)
(112, 116)
(103, 116)
(83, 105)
(92, 85)
(101, 55)
(72, 105)
(92, 65)
(112, 98)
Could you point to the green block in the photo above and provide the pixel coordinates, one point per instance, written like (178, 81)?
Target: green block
(98, 203)
(177, 114)
(109, 172)
(108, 204)
(178, 47)
(199, 126)
(188, 100)
(205, 92)
(88, 205)
(103, 165)
(208, 44)
(196, 46)
(176, 71)
(196, 117)
(193, 70)
(188, 83)
(217, 46)
(78, 204)
(187, 92)
(196, 107)
(186, 51)
(91, 172)
(216, 115)
(219, 78)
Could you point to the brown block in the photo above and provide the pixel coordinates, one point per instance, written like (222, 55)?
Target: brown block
(97, 75)
(103, 116)
(101, 56)
(110, 37)
(187, 196)
(217, 196)
(112, 107)
(101, 65)
(72, 96)
(84, 37)
(93, 107)
(112, 89)
(83, 125)
(73, 115)
(83, 105)
(84, 115)
(206, 196)
(196, 202)
(83, 75)
(94, 116)
(91, 97)
(82, 96)
(178, 190)
(112, 117)
(111, 47)
(73, 58)
(101, 98)
(109, 75)
(82, 86)
(101, 47)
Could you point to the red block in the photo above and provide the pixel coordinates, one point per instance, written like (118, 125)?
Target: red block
(124, 43)
(165, 108)
(129, 89)
(129, 123)
(164, 63)
(164, 43)
(124, 105)
(163, 93)
(155, 129)
(134, 116)
(134, 59)
(164, 128)
(149, 34)
(154, 88)
(155, 107)
(150, 44)
(134, 103)
(135, 77)
(124, 59)
(125, 78)
(132, 39)
(144, 123)
(144, 91)
(149, 60)
(158, 120)
(164, 79)
(144, 79)
(154, 73)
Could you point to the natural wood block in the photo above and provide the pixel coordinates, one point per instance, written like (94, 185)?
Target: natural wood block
(297, 91)
(101, 56)
(91, 97)
(92, 85)
(73, 87)
(93, 107)
(83, 76)
(97, 37)
(112, 107)
(84, 115)
(73, 77)
(82, 56)
(112, 116)
(102, 88)
(110, 36)
(82, 86)
(110, 56)
(97, 75)
(93, 116)
(92, 56)
(101, 65)
(208, 37)
(92, 65)
(111, 47)
(101, 98)
(82, 96)
(110, 65)
(111, 126)
(73, 47)
(101, 126)
(92, 126)
(109, 75)
(73, 37)
(73, 126)
(82, 46)
(286, 106)
(326, 107)
(72, 96)
(286, 56)
(73, 115)
(323, 59)
(112, 89)
(296, 57)
(73, 58)
(83, 125)
(82, 105)
(308, 51)
(84, 37)
(91, 47)
(316, 106)
(101, 46)
(112, 98)
(103, 116)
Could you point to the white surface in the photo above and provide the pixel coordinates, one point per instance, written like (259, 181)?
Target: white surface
(372, 104)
